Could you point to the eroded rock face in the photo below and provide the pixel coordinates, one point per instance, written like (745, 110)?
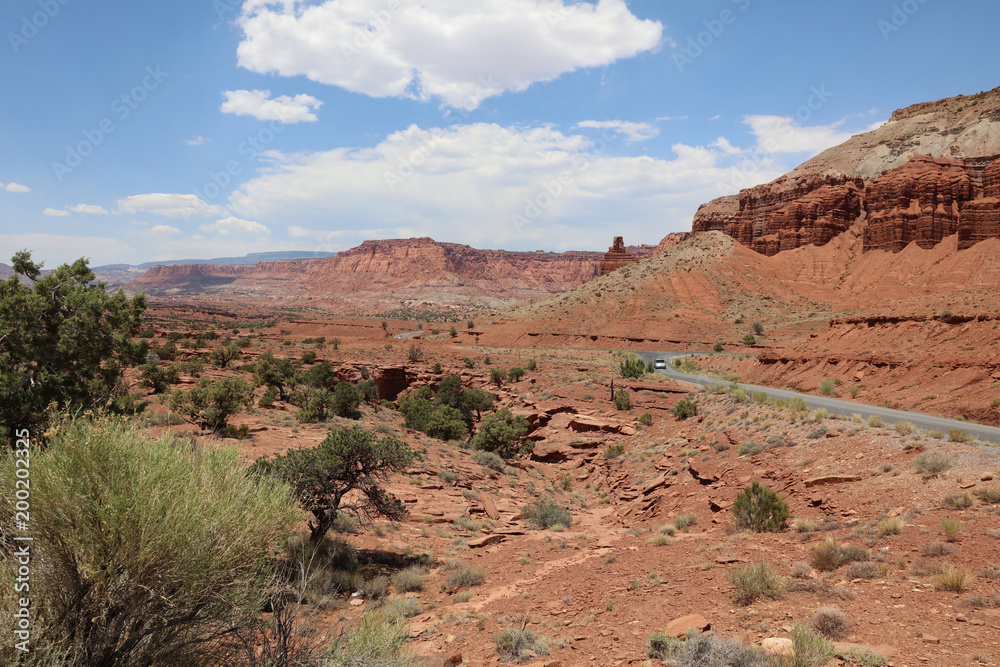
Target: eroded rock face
(928, 173)
(616, 257)
(920, 201)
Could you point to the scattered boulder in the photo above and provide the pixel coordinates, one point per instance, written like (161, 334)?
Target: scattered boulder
(778, 646)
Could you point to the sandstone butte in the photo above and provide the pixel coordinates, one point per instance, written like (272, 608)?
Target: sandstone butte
(930, 172)
(616, 257)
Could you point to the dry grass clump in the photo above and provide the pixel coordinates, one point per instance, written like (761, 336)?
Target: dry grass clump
(756, 580)
(831, 623)
(465, 575)
(936, 549)
(958, 501)
(955, 579)
(932, 464)
(865, 570)
(828, 555)
(659, 540)
(801, 570)
(408, 580)
(890, 526)
(804, 525)
(952, 529)
(988, 495)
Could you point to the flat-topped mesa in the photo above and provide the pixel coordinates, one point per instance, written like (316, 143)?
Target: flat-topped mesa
(616, 257)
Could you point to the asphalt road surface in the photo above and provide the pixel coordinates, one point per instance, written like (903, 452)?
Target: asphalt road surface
(834, 406)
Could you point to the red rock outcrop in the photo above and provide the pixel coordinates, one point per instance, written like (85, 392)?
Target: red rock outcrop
(980, 219)
(920, 201)
(793, 212)
(669, 241)
(616, 257)
(924, 175)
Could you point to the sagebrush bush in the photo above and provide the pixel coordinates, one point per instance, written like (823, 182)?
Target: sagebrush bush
(932, 464)
(547, 513)
(376, 641)
(988, 495)
(957, 501)
(149, 548)
(831, 623)
(489, 460)
(519, 645)
(660, 646)
(466, 575)
(699, 650)
(408, 580)
(754, 581)
(623, 400)
(828, 555)
(865, 570)
(811, 650)
(936, 549)
(760, 509)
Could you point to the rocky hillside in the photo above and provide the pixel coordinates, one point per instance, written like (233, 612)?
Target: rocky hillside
(388, 274)
(930, 172)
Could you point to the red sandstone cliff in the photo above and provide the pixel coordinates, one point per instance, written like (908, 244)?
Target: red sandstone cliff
(925, 175)
(387, 274)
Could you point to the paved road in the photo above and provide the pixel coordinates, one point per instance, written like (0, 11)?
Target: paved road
(834, 406)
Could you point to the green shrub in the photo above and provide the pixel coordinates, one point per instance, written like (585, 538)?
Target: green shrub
(952, 529)
(437, 368)
(758, 328)
(546, 513)
(209, 404)
(415, 353)
(315, 406)
(754, 581)
(827, 388)
(532, 365)
(446, 423)
(350, 460)
(225, 354)
(308, 357)
(660, 646)
(142, 549)
(497, 376)
(717, 347)
(158, 379)
(614, 451)
(453, 333)
(515, 374)
(469, 363)
(632, 367)
(749, 340)
(760, 509)
(345, 401)
(500, 433)
(623, 400)
(685, 409)
(646, 419)
(269, 397)
(470, 324)
(685, 521)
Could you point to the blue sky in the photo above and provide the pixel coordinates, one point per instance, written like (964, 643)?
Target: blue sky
(135, 131)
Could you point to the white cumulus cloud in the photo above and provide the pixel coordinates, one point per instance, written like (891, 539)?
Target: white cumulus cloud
(170, 206)
(258, 103)
(233, 226)
(55, 213)
(164, 230)
(458, 51)
(633, 131)
(17, 187)
(92, 209)
(781, 134)
(489, 186)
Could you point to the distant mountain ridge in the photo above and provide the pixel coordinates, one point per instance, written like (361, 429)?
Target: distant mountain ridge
(116, 274)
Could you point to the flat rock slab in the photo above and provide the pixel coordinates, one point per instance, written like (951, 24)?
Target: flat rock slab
(831, 479)
(486, 541)
(679, 626)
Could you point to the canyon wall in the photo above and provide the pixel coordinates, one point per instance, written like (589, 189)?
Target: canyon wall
(930, 172)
